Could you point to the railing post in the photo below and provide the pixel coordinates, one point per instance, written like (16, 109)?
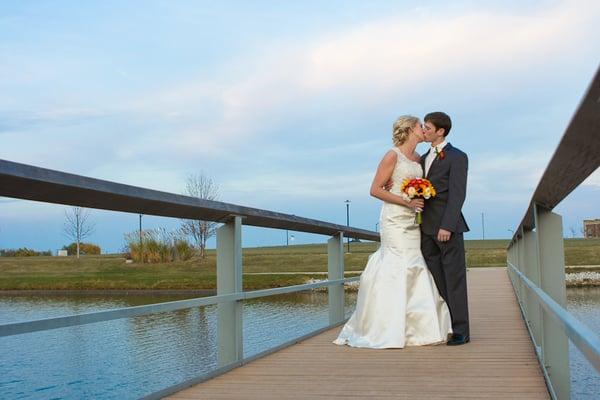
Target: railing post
(532, 271)
(510, 256)
(513, 260)
(519, 265)
(555, 343)
(229, 280)
(335, 270)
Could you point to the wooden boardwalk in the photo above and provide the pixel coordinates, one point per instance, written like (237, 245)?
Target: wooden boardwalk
(499, 363)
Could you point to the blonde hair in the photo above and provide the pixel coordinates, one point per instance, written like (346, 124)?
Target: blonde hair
(401, 128)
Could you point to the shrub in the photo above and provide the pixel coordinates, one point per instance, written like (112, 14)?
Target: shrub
(158, 246)
(23, 252)
(183, 250)
(84, 248)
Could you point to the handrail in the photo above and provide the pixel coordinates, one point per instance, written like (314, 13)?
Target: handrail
(576, 157)
(535, 255)
(18, 328)
(40, 184)
(586, 340)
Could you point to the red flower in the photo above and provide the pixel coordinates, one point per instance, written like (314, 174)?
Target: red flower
(441, 154)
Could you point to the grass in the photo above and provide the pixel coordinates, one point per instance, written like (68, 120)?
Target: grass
(111, 272)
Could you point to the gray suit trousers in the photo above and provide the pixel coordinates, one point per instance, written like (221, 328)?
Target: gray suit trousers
(446, 261)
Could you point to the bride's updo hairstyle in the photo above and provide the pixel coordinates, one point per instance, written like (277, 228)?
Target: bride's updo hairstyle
(402, 127)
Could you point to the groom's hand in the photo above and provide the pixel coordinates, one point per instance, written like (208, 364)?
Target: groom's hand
(388, 185)
(443, 235)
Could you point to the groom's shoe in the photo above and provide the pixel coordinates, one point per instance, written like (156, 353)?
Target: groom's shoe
(457, 340)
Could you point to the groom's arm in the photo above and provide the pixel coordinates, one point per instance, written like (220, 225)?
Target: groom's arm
(457, 190)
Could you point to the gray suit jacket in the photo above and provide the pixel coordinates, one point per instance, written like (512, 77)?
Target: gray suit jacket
(449, 178)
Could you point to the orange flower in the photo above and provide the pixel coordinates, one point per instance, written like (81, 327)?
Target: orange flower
(418, 187)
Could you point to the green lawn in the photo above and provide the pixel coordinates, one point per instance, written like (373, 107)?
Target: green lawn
(111, 272)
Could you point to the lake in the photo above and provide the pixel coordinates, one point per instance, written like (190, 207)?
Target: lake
(130, 358)
(134, 357)
(584, 303)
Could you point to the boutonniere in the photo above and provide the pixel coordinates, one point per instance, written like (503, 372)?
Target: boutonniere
(440, 153)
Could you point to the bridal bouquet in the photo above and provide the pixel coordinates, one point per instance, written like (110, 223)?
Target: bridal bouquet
(418, 187)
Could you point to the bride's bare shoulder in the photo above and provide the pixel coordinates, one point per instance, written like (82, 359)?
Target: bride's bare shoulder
(391, 155)
(389, 158)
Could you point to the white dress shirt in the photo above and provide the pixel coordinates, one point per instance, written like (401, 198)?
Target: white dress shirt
(432, 154)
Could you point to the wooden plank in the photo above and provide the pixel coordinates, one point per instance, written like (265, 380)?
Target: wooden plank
(499, 362)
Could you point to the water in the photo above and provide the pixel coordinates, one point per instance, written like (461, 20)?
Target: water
(130, 358)
(584, 303)
(133, 357)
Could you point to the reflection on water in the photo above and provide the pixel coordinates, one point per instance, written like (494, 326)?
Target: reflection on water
(129, 358)
(584, 303)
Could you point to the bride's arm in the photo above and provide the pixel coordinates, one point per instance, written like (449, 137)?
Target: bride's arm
(383, 175)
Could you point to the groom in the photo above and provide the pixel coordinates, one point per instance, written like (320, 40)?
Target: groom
(443, 224)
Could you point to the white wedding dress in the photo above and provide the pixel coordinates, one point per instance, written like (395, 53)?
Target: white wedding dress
(398, 302)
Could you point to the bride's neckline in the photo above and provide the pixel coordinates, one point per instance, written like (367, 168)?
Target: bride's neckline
(405, 156)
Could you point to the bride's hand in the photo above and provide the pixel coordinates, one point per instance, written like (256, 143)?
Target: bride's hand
(417, 204)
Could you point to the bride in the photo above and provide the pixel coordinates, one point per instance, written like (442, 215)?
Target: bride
(398, 302)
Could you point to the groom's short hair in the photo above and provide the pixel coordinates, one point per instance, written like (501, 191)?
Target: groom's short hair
(440, 120)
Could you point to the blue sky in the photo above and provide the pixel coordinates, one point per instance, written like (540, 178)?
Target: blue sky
(288, 106)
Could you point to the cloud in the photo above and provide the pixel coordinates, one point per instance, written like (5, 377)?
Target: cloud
(338, 73)
(300, 186)
(360, 67)
(505, 179)
(415, 48)
(15, 121)
(274, 118)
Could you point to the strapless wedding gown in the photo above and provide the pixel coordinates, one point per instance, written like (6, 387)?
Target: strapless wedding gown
(398, 302)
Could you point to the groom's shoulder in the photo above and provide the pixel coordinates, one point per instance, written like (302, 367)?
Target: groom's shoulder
(456, 152)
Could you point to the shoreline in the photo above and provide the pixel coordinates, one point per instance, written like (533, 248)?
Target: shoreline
(116, 292)
(575, 277)
(582, 279)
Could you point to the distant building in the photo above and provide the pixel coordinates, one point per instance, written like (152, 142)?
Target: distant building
(62, 253)
(591, 228)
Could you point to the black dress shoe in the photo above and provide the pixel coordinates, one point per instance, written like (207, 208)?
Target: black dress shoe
(458, 339)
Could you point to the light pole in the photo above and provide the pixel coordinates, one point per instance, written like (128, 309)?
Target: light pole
(511, 231)
(348, 221)
(287, 237)
(141, 242)
(376, 226)
(482, 227)
(292, 239)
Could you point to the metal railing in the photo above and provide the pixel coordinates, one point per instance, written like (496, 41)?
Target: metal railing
(535, 255)
(34, 183)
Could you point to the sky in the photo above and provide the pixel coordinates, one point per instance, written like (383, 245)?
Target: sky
(288, 106)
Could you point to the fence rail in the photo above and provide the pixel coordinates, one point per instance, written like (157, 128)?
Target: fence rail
(28, 182)
(535, 255)
(586, 340)
(18, 328)
(33, 183)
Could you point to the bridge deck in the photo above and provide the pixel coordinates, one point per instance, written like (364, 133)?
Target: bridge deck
(498, 363)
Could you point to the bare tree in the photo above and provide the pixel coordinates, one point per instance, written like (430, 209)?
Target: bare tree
(77, 225)
(202, 187)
